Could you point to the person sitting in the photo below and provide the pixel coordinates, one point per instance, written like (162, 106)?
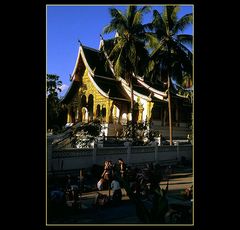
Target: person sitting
(100, 184)
(117, 192)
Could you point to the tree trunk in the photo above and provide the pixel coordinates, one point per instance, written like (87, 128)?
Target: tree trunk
(169, 111)
(132, 105)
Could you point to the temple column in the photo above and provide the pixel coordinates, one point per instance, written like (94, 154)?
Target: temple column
(120, 114)
(94, 110)
(129, 116)
(114, 114)
(149, 110)
(68, 115)
(107, 111)
(140, 116)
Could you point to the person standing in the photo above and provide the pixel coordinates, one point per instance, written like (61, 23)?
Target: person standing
(121, 168)
(108, 173)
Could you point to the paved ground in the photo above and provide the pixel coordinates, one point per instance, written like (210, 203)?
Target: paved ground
(125, 213)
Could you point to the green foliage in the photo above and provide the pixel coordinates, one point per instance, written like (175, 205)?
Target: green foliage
(56, 114)
(169, 52)
(53, 85)
(128, 54)
(86, 133)
(92, 128)
(140, 133)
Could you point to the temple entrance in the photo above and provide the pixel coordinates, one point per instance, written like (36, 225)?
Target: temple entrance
(98, 112)
(84, 115)
(104, 112)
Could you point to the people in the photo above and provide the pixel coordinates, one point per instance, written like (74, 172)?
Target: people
(107, 172)
(100, 184)
(121, 168)
(117, 192)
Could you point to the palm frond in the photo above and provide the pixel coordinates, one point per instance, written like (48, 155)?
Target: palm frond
(139, 15)
(183, 60)
(151, 65)
(185, 39)
(118, 65)
(158, 24)
(181, 24)
(131, 53)
(174, 13)
(178, 46)
(108, 29)
(165, 18)
(148, 27)
(118, 22)
(130, 14)
(145, 9)
(114, 52)
(137, 18)
(115, 13)
(152, 40)
(160, 46)
(170, 15)
(108, 45)
(142, 58)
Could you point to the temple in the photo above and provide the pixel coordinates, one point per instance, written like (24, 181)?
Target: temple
(95, 93)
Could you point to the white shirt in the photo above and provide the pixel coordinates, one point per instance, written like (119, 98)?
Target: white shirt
(115, 185)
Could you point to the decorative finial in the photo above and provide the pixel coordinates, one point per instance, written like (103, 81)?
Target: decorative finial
(101, 36)
(79, 42)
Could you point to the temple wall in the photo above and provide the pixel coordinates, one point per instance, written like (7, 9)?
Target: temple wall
(72, 159)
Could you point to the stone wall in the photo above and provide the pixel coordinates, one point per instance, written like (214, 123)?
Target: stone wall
(75, 159)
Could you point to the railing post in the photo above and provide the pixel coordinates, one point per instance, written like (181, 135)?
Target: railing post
(156, 152)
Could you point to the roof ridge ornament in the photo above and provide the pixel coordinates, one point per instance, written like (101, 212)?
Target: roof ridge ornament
(80, 43)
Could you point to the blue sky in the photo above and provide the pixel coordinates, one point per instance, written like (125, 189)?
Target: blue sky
(66, 24)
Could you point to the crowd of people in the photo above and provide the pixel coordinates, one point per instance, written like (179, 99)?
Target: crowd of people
(111, 179)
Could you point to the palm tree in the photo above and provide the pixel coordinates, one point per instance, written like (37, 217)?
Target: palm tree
(170, 57)
(128, 53)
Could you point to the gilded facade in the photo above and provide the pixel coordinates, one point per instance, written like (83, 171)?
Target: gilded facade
(95, 93)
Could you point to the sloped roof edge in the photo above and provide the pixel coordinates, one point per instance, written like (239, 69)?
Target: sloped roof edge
(155, 91)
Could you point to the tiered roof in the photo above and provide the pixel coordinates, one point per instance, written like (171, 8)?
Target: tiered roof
(99, 73)
(102, 76)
